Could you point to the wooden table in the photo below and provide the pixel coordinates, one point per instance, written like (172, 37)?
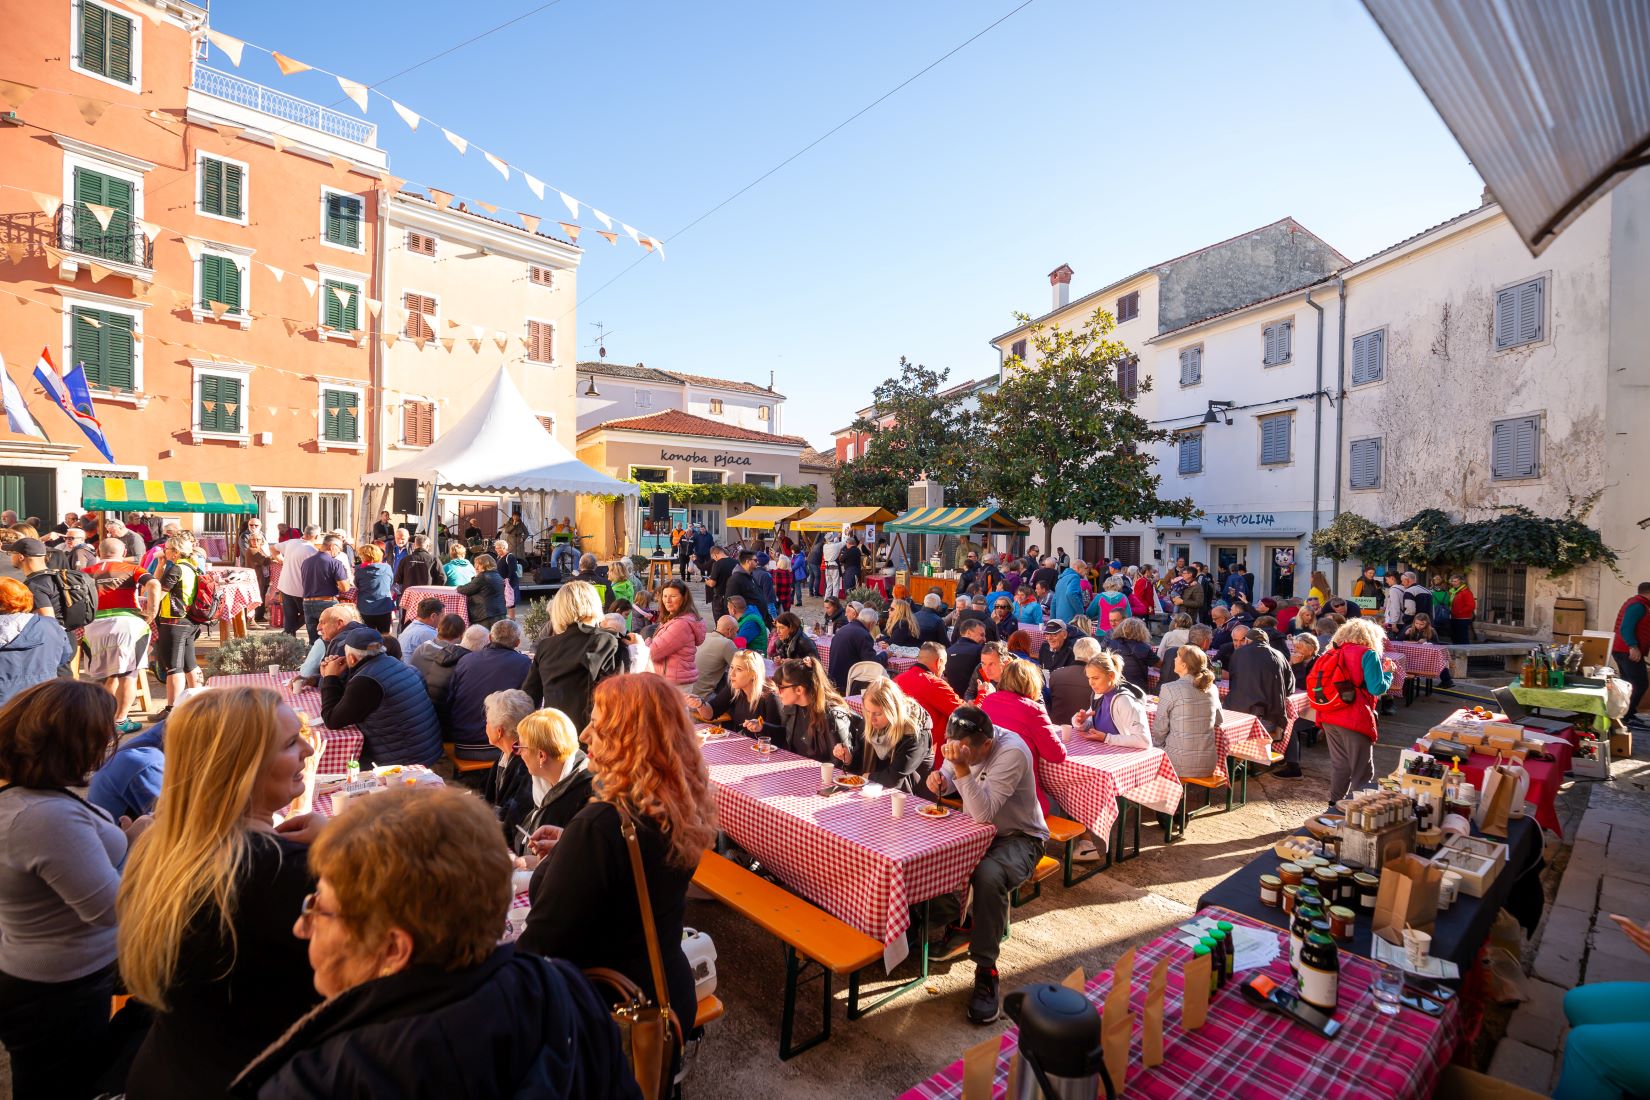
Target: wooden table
(919, 586)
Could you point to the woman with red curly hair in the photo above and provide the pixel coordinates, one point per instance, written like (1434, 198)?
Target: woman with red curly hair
(647, 767)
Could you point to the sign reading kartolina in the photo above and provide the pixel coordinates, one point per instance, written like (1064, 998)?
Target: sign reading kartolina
(699, 459)
(1242, 523)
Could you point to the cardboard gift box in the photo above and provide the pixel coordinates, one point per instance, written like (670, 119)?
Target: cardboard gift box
(1475, 859)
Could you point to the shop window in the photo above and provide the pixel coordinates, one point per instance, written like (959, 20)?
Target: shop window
(1504, 590)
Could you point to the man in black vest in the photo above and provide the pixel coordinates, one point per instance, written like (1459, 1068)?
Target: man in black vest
(384, 697)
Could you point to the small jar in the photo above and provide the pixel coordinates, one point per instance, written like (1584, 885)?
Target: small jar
(1329, 884)
(1369, 888)
(1449, 888)
(1341, 920)
(1271, 891)
(1310, 885)
(1352, 866)
(1290, 874)
(1291, 894)
(1348, 894)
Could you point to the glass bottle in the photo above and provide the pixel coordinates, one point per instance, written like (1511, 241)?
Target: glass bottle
(1319, 972)
(1299, 929)
(1228, 943)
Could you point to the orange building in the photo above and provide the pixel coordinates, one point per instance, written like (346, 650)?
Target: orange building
(211, 265)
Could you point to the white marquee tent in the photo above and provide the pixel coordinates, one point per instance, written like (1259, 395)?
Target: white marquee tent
(499, 446)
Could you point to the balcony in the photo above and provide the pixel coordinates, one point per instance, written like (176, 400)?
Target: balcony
(121, 247)
(278, 105)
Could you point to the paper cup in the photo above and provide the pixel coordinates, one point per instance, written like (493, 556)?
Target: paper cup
(520, 879)
(274, 670)
(896, 803)
(1449, 889)
(1417, 946)
(827, 774)
(340, 799)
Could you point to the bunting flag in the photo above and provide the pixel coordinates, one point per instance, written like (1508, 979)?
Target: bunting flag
(355, 90)
(48, 203)
(98, 272)
(571, 230)
(459, 143)
(288, 65)
(151, 230)
(101, 213)
(15, 250)
(193, 247)
(447, 342)
(603, 218)
(410, 117)
(279, 273)
(451, 323)
(281, 144)
(231, 47)
(18, 416)
(309, 285)
(570, 202)
(73, 397)
(630, 231)
(209, 406)
(91, 109)
(647, 243)
(534, 185)
(374, 306)
(93, 321)
(218, 309)
(420, 341)
(180, 299)
(501, 340)
(16, 94)
(491, 208)
(342, 296)
(54, 255)
(389, 340)
(531, 221)
(228, 132)
(503, 169)
(230, 407)
(475, 345)
(612, 238)
(441, 198)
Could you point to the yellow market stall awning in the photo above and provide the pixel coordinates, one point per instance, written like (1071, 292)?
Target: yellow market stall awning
(765, 517)
(832, 519)
(120, 494)
(957, 521)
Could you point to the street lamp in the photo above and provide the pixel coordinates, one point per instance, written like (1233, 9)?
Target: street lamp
(1213, 417)
(591, 390)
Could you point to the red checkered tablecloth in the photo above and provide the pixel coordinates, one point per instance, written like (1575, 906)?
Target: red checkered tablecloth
(1420, 658)
(412, 596)
(238, 589)
(1033, 632)
(1243, 1051)
(844, 852)
(896, 665)
(1091, 777)
(341, 745)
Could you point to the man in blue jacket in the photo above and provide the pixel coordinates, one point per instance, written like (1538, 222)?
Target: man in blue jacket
(1068, 592)
(497, 666)
(385, 698)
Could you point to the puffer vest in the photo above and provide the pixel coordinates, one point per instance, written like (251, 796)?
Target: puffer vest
(404, 729)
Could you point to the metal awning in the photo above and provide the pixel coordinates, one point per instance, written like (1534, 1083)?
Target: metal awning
(832, 519)
(1550, 99)
(765, 517)
(957, 521)
(120, 494)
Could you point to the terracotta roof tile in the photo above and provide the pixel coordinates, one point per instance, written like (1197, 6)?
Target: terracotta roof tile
(819, 459)
(676, 422)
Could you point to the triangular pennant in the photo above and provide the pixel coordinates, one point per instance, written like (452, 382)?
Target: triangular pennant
(631, 232)
(478, 330)
(228, 132)
(289, 65)
(209, 406)
(571, 230)
(503, 169)
(151, 230)
(230, 46)
(475, 345)
(570, 202)
(16, 94)
(392, 183)
(91, 109)
(93, 321)
(180, 299)
(407, 116)
(390, 338)
(441, 198)
(279, 273)
(447, 342)
(140, 289)
(15, 250)
(490, 207)
(647, 243)
(230, 407)
(272, 409)
(359, 336)
(218, 309)
(193, 247)
(292, 326)
(101, 213)
(48, 203)
(502, 341)
(451, 323)
(356, 91)
(535, 185)
(98, 272)
(603, 218)
(531, 221)
(458, 143)
(420, 341)
(332, 412)
(281, 144)
(342, 295)
(612, 238)
(373, 307)
(309, 285)
(339, 164)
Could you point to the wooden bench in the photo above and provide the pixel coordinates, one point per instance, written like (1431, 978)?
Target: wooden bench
(1184, 813)
(1046, 866)
(1066, 834)
(810, 935)
(709, 1011)
(461, 765)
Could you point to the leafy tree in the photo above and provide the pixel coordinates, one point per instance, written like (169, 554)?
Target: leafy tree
(1062, 439)
(914, 430)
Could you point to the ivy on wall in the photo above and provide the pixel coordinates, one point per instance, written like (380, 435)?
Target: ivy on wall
(791, 496)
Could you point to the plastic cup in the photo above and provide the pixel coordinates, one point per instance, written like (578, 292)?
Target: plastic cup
(274, 670)
(1387, 987)
(764, 744)
(896, 803)
(827, 774)
(1417, 946)
(340, 799)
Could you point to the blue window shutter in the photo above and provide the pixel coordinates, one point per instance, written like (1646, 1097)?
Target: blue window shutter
(1368, 358)
(1529, 311)
(1191, 453)
(1191, 366)
(1274, 441)
(1501, 450)
(1506, 318)
(1286, 341)
(1524, 447)
(1366, 463)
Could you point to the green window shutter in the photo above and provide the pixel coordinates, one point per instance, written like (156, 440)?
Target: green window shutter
(343, 417)
(229, 404)
(231, 285)
(209, 404)
(352, 309)
(118, 352)
(344, 220)
(211, 280)
(119, 64)
(93, 35)
(211, 186)
(232, 190)
(86, 343)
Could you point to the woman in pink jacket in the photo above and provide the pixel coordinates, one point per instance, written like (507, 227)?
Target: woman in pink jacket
(676, 638)
(1017, 706)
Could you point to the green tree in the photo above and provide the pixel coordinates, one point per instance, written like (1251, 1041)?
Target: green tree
(1062, 440)
(913, 430)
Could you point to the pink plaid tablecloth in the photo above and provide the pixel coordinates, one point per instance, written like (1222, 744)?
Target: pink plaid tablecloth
(1033, 632)
(1420, 658)
(1242, 1051)
(845, 853)
(341, 745)
(1089, 780)
(412, 596)
(239, 590)
(896, 665)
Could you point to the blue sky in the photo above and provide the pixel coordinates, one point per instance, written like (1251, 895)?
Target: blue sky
(1103, 135)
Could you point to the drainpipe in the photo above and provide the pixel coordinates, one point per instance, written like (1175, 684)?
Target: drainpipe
(1340, 409)
(1317, 431)
(375, 358)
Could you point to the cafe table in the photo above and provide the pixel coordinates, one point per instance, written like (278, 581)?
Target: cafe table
(1421, 658)
(896, 665)
(1089, 781)
(844, 851)
(1585, 699)
(1244, 1051)
(1546, 776)
(340, 745)
(1460, 930)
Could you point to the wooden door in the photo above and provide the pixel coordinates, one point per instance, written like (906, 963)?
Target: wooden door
(484, 513)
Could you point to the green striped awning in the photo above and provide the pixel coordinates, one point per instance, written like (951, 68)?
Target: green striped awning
(956, 521)
(121, 494)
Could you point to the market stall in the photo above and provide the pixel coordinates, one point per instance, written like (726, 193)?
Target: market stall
(865, 521)
(946, 522)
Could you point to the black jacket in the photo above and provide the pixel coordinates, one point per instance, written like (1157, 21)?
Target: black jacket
(509, 791)
(1137, 658)
(850, 645)
(910, 762)
(568, 666)
(484, 597)
(798, 645)
(732, 709)
(516, 1026)
(562, 802)
(415, 569)
(961, 659)
(816, 744)
(1261, 682)
(930, 626)
(435, 661)
(903, 636)
(743, 584)
(1051, 658)
(720, 572)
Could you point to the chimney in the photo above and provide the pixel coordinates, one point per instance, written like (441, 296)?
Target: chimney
(1060, 280)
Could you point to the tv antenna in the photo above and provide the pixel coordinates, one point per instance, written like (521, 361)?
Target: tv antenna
(600, 342)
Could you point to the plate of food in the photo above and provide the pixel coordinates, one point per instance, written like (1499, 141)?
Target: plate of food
(711, 731)
(850, 781)
(934, 811)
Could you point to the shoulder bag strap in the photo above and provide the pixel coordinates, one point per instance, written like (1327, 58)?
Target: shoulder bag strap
(627, 826)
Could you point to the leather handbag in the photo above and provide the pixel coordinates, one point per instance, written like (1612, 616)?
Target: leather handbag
(650, 1032)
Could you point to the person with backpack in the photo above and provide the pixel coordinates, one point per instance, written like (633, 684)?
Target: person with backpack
(66, 595)
(184, 598)
(1343, 687)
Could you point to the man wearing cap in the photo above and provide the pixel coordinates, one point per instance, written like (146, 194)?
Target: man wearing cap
(384, 697)
(28, 557)
(1055, 652)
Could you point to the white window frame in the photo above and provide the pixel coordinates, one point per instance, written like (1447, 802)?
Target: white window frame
(1260, 438)
(137, 45)
(435, 318)
(349, 506)
(1546, 280)
(745, 479)
(400, 434)
(322, 443)
(1385, 342)
(356, 279)
(1198, 381)
(1118, 306)
(526, 321)
(321, 228)
(720, 475)
(242, 373)
(107, 162)
(242, 259)
(246, 187)
(551, 285)
(1380, 467)
(137, 398)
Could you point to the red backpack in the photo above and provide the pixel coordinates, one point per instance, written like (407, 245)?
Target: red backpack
(1335, 682)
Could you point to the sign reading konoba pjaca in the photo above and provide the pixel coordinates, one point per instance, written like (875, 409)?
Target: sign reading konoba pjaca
(700, 460)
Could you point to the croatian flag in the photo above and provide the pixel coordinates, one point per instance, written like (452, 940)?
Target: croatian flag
(70, 392)
(18, 416)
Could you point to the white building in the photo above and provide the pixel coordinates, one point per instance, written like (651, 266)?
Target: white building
(624, 391)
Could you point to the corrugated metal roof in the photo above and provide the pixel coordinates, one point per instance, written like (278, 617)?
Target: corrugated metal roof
(1550, 99)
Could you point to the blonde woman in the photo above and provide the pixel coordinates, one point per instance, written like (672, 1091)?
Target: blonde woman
(456, 569)
(902, 625)
(745, 702)
(1355, 657)
(895, 743)
(210, 894)
(576, 655)
(1117, 714)
(549, 747)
